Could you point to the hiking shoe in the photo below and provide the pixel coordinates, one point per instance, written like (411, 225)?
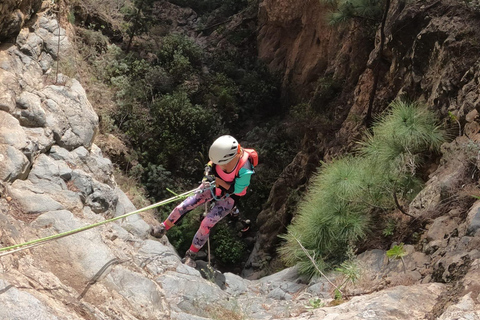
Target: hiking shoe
(158, 231)
(189, 258)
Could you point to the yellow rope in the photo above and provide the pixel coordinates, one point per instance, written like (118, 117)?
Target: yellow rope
(30, 244)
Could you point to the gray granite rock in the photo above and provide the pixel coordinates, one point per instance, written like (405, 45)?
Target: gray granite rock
(21, 305)
(134, 223)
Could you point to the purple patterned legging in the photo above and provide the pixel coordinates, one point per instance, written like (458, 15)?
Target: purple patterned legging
(220, 209)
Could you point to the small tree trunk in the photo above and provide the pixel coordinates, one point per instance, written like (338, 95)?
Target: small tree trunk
(399, 207)
(376, 70)
(135, 27)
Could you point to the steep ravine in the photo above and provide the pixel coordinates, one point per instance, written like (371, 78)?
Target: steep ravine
(54, 178)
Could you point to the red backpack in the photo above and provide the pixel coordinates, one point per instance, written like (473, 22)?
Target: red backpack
(252, 156)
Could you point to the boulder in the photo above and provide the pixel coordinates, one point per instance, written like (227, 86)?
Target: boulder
(13, 163)
(134, 223)
(12, 133)
(99, 196)
(32, 200)
(185, 289)
(40, 140)
(143, 294)
(70, 115)
(14, 14)
(473, 218)
(55, 40)
(29, 110)
(157, 258)
(399, 303)
(236, 285)
(21, 305)
(466, 308)
(79, 262)
(8, 87)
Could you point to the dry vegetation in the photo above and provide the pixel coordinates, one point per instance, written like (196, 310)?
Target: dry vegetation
(219, 312)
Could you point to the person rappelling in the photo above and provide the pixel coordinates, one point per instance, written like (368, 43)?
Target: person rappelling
(227, 177)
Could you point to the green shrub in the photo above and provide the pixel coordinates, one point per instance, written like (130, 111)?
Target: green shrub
(336, 210)
(156, 180)
(401, 139)
(345, 10)
(183, 128)
(258, 89)
(226, 247)
(179, 55)
(397, 252)
(226, 7)
(330, 217)
(182, 234)
(158, 81)
(260, 93)
(93, 39)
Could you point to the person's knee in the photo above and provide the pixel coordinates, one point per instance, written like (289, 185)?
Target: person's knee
(204, 229)
(206, 226)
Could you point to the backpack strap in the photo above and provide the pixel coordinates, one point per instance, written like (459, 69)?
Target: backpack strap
(248, 154)
(253, 156)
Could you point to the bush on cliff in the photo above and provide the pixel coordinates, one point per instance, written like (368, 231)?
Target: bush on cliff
(369, 11)
(336, 212)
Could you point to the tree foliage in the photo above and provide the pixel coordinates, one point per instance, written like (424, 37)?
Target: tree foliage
(364, 10)
(227, 248)
(170, 109)
(226, 7)
(336, 210)
(174, 97)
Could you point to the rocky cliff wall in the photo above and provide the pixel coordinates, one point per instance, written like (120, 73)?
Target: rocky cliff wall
(294, 38)
(14, 14)
(431, 54)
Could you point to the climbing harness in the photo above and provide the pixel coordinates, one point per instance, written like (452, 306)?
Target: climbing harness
(30, 244)
(210, 185)
(212, 190)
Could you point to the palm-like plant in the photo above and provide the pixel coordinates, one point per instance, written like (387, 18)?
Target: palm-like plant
(400, 140)
(336, 210)
(406, 126)
(330, 217)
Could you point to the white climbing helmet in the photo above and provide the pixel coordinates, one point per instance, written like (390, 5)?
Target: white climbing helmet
(223, 149)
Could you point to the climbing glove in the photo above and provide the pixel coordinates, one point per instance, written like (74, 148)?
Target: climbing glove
(209, 177)
(208, 168)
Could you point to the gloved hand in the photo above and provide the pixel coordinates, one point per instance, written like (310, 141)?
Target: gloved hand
(209, 178)
(208, 168)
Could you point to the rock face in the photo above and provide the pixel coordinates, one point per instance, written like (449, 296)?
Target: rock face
(431, 54)
(54, 179)
(14, 14)
(294, 38)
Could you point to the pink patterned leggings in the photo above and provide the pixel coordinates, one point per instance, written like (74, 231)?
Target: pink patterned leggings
(220, 209)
